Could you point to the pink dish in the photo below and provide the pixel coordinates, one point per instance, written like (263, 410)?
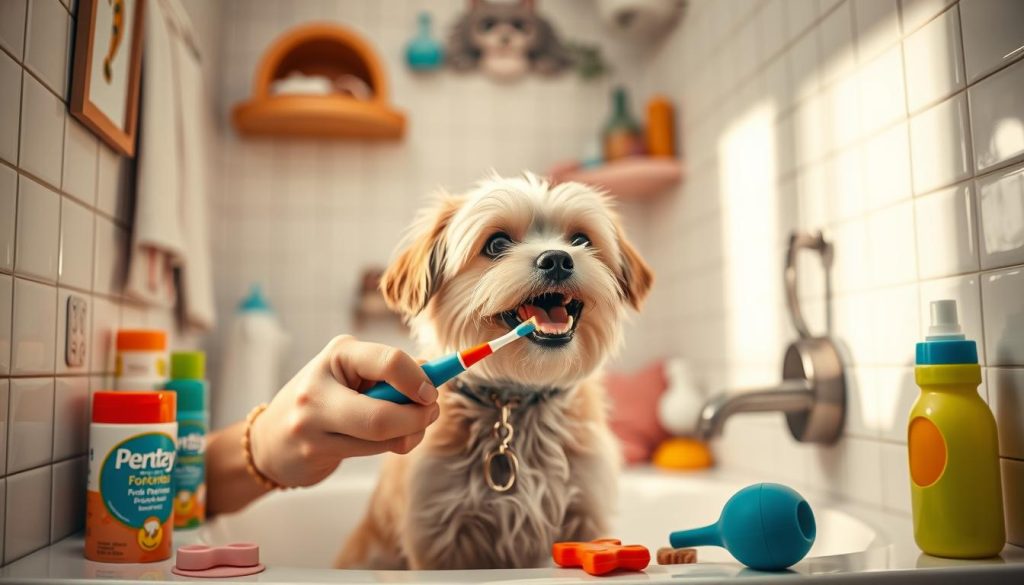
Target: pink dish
(233, 560)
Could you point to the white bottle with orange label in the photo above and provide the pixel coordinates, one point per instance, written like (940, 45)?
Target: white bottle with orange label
(130, 498)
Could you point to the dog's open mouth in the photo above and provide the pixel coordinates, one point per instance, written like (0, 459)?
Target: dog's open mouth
(557, 316)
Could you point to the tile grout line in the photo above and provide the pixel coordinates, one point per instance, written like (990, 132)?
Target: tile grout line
(124, 223)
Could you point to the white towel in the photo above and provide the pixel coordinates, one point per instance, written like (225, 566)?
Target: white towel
(170, 231)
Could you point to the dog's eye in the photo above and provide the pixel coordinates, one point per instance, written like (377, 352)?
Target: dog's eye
(487, 24)
(519, 25)
(497, 245)
(579, 239)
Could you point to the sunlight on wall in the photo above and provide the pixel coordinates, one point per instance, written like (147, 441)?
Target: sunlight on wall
(747, 171)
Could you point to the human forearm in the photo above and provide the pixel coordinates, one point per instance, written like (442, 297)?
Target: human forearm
(229, 487)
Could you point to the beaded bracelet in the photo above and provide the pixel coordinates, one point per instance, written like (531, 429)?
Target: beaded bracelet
(250, 464)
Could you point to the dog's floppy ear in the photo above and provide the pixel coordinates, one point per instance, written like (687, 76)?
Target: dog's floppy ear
(415, 274)
(634, 275)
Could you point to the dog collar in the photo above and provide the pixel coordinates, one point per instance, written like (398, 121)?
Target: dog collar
(504, 398)
(494, 395)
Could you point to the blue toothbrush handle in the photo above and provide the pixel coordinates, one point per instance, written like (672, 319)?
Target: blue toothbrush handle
(439, 371)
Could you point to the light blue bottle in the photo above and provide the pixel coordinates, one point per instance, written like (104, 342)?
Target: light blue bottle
(423, 53)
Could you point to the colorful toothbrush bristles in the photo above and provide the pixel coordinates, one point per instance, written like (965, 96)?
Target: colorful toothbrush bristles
(526, 327)
(474, 354)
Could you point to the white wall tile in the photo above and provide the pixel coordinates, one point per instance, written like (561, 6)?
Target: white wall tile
(62, 330)
(5, 393)
(861, 403)
(861, 477)
(112, 195)
(106, 319)
(1001, 217)
(778, 88)
(42, 131)
(916, 13)
(46, 43)
(894, 317)
(799, 15)
(6, 310)
(803, 66)
(10, 104)
(896, 478)
(68, 498)
(878, 27)
(891, 245)
(1006, 396)
(887, 175)
(946, 232)
(938, 145)
(811, 141)
(110, 257)
(850, 256)
(993, 35)
(842, 109)
(8, 209)
(882, 90)
(38, 230)
(35, 325)
(1002, 296)
(28, 513)
(71, 417)
(12, 26)
(80, 162)
(997, 118)
(1013, 504)
(966, 291)
(30, 424)
(934, 61)
(835, 44)
(76, 245)
(892, 393)
(772, 22)
(845, 179)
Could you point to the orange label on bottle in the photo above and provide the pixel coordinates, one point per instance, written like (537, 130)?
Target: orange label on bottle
(927, 452)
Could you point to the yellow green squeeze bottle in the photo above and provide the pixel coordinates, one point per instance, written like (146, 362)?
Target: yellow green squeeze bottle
(954, 449)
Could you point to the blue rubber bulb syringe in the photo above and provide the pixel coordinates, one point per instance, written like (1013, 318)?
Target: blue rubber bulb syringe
(766, 526)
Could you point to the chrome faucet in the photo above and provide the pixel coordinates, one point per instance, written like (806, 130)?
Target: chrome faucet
(812, 393)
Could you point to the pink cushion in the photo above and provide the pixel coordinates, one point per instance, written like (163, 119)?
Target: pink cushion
(634, 410)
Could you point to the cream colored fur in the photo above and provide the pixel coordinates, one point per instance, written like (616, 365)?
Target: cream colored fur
(432, 508)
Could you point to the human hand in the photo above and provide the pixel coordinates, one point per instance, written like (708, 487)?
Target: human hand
(320, 418)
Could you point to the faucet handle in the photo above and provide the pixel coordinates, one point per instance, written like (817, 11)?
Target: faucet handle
(805, 241)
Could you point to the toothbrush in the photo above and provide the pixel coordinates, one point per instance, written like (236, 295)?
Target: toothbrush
(445, 368)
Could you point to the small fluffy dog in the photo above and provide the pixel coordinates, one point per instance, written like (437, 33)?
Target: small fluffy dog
(473, 267)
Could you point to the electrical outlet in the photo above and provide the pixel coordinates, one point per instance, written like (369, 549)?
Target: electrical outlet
(74, 351)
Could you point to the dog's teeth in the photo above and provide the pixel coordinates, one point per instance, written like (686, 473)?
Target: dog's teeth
(568, 324)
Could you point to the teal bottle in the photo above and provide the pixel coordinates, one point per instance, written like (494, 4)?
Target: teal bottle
(188, 370)
(423, 53)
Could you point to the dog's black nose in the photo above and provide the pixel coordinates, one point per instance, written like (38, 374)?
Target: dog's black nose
(555, 265)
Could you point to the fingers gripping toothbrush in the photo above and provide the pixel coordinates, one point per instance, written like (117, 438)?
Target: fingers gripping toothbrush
(445, 368)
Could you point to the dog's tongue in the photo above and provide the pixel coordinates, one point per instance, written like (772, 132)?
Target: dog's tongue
(556, 315)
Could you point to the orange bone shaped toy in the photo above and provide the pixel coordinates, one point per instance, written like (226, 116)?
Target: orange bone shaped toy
(601, 556)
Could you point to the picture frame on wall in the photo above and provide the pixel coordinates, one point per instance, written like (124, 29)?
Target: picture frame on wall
(106, 72)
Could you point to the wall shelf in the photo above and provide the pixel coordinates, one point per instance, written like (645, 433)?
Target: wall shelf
(319, 50)
(636, 177)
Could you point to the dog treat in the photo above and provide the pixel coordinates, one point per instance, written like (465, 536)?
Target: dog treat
(676, 556)
(602, 556)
